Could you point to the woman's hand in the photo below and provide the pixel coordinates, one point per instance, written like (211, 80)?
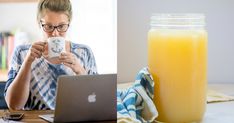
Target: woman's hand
(70, 60)
(36, 50)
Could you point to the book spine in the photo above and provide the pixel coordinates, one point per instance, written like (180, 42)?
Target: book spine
(3, 57)
(6, 42)
(4, 51)
(10, 49)
(1, 45)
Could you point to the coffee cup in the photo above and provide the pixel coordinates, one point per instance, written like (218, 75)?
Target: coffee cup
(56, 45)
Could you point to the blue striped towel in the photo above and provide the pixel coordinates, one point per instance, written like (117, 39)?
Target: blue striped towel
(135, 104)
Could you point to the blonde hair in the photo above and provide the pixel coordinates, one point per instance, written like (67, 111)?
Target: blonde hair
(63, 6)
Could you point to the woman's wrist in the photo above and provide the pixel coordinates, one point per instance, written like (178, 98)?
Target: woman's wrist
(29, 59)
(80, 71)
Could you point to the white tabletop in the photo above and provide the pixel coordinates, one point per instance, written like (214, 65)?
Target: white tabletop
(221, 112)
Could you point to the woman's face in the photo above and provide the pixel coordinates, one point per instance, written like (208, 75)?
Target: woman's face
(54, 24)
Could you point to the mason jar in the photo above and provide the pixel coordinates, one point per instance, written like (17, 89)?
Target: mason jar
(177, 60)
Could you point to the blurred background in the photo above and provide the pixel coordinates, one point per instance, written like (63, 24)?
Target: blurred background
(94, 24)
(133, 25)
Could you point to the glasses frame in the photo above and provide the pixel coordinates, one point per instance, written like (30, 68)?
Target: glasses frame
(54, 27)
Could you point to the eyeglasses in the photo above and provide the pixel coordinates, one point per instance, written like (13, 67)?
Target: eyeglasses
(50, 28)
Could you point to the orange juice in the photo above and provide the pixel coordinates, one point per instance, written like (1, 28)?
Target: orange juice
(177, 60)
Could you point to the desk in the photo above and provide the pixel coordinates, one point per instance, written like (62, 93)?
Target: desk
(220, 112)
(29, 116)
(32, 117)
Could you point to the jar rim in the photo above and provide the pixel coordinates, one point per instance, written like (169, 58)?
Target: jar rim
(167, 20)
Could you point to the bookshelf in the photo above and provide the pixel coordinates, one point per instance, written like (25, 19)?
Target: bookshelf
(7, 42)
(6, 49)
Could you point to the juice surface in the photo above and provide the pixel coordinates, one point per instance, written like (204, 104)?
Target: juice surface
(177, 59)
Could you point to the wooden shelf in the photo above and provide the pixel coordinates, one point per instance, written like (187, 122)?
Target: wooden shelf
(3, 75)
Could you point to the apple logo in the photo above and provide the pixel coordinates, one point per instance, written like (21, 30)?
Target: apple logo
(92, 98)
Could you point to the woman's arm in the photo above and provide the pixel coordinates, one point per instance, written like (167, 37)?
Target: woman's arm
(18, 91)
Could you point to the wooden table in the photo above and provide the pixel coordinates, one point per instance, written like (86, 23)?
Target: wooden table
(220, 112)
(29, 116)
(32, 117)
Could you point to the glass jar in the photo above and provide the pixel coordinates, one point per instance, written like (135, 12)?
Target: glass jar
(177, 60)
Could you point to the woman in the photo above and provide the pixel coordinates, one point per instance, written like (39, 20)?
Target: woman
(32, 76)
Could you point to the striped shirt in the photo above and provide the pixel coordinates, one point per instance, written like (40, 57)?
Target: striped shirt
(44, 75)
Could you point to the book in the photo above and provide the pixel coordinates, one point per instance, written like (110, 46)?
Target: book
(6, 49)
(1, 45)
(10, 49)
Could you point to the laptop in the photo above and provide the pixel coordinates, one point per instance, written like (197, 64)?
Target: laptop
(85, 98)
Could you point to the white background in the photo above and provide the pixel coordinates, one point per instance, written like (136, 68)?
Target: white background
(133, 25)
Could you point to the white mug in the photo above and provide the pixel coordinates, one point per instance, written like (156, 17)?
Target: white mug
(56, 45)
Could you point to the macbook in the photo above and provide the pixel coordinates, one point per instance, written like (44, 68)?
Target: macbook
(85, 98)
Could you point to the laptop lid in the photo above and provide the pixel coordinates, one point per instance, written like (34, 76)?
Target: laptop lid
(86, 98)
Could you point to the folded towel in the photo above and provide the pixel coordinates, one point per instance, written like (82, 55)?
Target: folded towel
(135, 104)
